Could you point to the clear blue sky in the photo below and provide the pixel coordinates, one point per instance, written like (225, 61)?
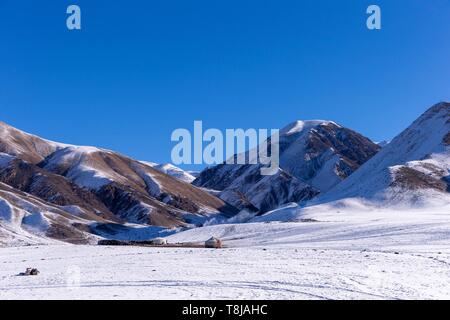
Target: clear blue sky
(139, 69)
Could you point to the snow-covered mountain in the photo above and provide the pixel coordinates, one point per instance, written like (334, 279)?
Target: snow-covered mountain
(134, 191)
(50, 187)
(314, 157)
(95, 185)
(26, 219)
(323, 153)
(413, 169)
(51, 191)
(410, 174)
(251, 191)
(29, 147)
(173, 171)
(383, 143)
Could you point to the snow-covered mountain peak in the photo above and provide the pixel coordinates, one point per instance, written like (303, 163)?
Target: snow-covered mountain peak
(315, 155)
(441, 107)
(322, 153)
(425, 136)
(301, 126)
(172, 170)
(413, 169)
(383, 143)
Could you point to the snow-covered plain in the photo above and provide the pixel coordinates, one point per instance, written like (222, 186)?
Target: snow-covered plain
(375, 258)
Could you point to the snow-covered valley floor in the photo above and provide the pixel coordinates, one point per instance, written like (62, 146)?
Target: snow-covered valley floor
(324, 260)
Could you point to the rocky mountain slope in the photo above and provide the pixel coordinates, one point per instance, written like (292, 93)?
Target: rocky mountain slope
(409, 175)
(28, 147)
(95, 185)
(26, 219)
(314, 157)
(413, 169)
(134, 191)
(51, 191)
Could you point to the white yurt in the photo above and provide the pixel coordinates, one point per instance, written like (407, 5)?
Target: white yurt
(159, 241)
(213, 243)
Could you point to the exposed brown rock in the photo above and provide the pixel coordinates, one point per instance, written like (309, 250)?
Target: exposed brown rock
(352, 148)
(53, 188)
(28, 147)
(411, 179)
(61, 225)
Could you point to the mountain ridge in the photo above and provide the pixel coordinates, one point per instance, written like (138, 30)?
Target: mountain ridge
(51, 192)
(315, 155)
(94, 185)
(410, 174)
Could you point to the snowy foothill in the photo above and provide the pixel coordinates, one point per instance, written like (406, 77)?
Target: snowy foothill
(336, 255)
(375, 259)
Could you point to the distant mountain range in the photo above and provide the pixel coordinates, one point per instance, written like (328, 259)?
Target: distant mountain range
(52, 191)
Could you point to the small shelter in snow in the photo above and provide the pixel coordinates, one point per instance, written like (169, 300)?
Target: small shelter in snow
(213, 243)
(159, 241)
